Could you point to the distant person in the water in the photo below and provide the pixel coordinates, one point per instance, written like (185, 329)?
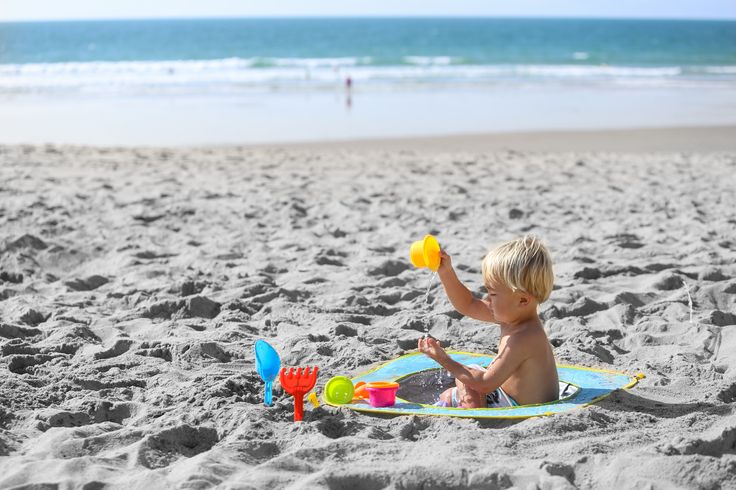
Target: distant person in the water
(518, 276)
(348, 92)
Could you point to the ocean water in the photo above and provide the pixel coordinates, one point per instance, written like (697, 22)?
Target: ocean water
(275, 55)
(282, 80)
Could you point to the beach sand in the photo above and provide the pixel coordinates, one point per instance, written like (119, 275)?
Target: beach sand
(135, 281)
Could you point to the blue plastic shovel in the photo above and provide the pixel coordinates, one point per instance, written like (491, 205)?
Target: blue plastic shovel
(268, 364)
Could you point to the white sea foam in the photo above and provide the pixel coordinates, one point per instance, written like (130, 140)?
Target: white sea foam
(431, 60)
(316, 62)
(321, 73)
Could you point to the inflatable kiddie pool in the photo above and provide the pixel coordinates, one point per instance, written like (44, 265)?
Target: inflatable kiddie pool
(579, 387)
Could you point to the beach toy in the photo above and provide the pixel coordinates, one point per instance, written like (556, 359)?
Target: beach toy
(339, 390)
(312, 397)
(425, 253)
(297, 382)
(382, 393)
(360, 391)
(579, 387)
(268, 364)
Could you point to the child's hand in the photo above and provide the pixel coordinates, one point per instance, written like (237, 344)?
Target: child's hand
(445, 262)
(432, 348)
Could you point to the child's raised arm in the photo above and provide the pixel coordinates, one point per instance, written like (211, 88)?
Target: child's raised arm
(461, 297)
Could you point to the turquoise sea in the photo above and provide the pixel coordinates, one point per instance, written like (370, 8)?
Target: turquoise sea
(253, 80)
(277, 54)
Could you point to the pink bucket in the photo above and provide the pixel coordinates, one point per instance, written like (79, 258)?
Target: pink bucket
(382, 393)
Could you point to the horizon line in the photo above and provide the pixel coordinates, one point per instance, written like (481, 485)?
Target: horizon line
(359, 16)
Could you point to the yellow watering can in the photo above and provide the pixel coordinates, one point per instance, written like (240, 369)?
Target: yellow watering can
(425, 253)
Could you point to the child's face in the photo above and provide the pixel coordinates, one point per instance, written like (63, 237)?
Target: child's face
(503, 302)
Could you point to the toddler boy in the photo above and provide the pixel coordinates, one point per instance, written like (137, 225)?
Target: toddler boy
(518, 276)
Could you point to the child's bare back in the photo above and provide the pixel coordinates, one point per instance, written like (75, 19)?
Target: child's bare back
(535, 380)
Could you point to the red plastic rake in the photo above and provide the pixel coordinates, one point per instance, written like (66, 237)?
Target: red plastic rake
(298, 382)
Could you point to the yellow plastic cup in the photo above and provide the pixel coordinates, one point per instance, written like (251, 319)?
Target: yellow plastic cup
(425, 253)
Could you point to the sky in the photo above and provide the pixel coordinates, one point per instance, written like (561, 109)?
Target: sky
(17, 10)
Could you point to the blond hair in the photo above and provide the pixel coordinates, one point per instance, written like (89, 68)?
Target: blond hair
(523, 264)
